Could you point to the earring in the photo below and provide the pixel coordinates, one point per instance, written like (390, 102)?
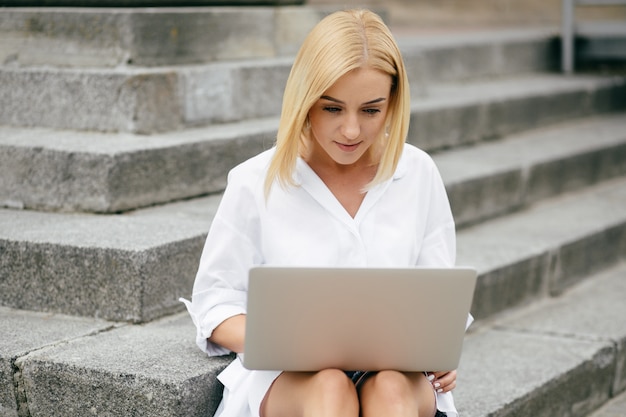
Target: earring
(386, 132)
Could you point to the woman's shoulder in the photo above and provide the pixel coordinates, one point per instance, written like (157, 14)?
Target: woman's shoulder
(252, 169)
(414, 161)
(414, 153)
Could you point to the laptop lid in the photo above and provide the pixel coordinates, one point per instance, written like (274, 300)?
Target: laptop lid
(308, 319)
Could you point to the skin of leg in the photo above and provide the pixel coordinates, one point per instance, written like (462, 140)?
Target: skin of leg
(392, 393)
(327, 393)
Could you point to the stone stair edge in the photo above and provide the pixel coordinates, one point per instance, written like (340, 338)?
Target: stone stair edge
(147, 283)
(179, 34)
(192, 90)
(519, 154)
(150, 36)
(507, 342)
(569, 347)
(546, 248)
(106, 172)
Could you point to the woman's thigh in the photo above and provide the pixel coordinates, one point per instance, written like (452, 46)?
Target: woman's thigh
(326, 393)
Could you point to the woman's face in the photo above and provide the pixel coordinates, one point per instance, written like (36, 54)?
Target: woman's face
(350, 117)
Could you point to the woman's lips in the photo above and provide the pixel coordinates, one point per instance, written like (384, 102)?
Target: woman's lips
(348, 148)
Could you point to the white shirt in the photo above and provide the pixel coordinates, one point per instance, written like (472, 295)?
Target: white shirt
(405, 221)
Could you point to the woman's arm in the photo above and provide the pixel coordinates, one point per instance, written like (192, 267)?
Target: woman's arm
(231, 333)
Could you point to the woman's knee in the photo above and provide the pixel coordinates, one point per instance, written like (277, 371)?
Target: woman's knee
(390, 385)
(397, 393)
(332, 381)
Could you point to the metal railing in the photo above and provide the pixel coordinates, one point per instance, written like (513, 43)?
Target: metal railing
(568, 28)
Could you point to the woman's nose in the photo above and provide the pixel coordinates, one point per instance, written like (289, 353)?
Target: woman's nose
(351, 128)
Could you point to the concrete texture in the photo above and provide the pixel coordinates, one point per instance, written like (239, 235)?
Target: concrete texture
(454, 114)
(499, 177)
(546, 248)
(565, 354)
(110, 37)
(137, 99)
(449, 56)
(67, 170)
(125, 268)
(153, 370)
(562, 356)
(147, 259)
(24, 332)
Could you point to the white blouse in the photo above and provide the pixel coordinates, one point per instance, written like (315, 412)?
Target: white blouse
(405, 221)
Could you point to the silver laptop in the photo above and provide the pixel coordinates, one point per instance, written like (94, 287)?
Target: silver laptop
(308, 319)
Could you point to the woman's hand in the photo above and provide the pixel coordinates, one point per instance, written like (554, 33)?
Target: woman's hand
(443, 381)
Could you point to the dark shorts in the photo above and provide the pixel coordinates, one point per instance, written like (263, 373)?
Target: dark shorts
(358, 377)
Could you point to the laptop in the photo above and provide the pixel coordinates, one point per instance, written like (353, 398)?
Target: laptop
(405, 319)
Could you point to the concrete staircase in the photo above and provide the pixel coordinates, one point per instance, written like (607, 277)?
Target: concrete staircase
(112, 162)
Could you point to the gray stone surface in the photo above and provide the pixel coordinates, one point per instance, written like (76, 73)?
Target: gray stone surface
(563, 356)
(498, 177)
(593, 310)
(87, 171)
(142, 100)
(130, 267)
(546, 248)
(454, 114)
(145, 260)
(446, 56)
(152, 370)
(525, 374)
(110, 37)
(24, 332)
(136, 99)
(65, 170)
(614, 408)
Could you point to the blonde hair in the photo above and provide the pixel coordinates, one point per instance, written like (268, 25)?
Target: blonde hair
(339, 43)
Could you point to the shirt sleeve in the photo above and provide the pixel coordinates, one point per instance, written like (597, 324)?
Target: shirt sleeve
(439, 240)
(231, 248)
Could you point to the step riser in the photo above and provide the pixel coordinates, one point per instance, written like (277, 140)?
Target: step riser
(427, 63)
(480, 199)
(547, 273)
(121, 372)
(147, 284)
(112, 37)
(170, 98)
(94, 282)
(552, 383)
(75, 180)
(451, 126)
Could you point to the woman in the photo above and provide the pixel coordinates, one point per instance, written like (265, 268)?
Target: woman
(340, 188)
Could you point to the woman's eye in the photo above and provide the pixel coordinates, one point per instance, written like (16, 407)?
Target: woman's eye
(371, 111)
(331, 109)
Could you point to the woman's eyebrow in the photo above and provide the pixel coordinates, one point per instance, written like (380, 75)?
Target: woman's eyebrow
(334, 100)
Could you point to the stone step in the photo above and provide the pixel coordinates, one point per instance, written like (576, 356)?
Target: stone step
(50, 169)
(148, 36)
(134, 266)
(546, 248)
(498, 177)
(563, 356)
(159, 99)
(559, 356)
(130, 267)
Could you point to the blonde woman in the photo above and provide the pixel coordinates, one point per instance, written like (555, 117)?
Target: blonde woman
(340, 188)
